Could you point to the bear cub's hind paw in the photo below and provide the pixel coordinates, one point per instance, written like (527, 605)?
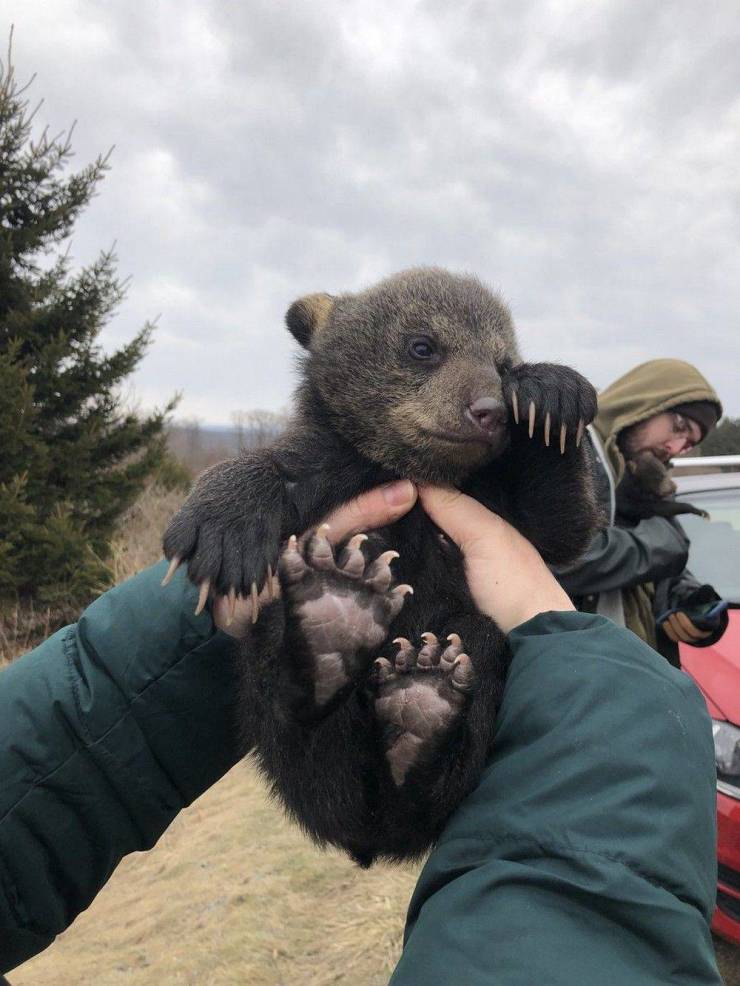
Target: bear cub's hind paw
(341, 607)
(419, 698)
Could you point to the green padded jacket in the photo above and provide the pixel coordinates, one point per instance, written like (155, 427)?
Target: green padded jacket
(107, 730)
(586, 855)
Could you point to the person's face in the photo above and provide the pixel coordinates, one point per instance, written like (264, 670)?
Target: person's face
(666, 435)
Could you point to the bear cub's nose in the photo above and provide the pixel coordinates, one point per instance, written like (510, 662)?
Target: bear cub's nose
(488, 414)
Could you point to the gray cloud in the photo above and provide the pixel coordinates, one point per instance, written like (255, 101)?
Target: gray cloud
(580, 157)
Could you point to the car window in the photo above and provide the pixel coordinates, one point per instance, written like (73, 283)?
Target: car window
(714, 556)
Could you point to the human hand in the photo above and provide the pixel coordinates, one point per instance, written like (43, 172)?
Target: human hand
(506, 575)
(679, 628)
(376, 508)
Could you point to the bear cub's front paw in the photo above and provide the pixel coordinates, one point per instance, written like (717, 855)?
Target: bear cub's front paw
(557, 399)
(227, 532)
(419, 699)
(339, 612)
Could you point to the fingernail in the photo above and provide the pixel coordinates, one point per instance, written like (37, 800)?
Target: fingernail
(399, 492)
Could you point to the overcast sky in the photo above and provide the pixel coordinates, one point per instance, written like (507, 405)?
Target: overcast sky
(580, 156)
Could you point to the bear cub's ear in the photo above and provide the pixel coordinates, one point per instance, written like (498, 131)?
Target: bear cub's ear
(308, 316)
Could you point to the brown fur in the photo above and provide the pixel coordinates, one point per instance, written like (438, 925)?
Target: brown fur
(374, 405)
(646, 490)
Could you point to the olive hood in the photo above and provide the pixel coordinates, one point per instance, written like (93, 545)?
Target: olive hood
(643, 392)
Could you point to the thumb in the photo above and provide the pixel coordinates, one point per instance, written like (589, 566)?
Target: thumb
(376, 508)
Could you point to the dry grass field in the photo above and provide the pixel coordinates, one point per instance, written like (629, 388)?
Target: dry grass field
(232, 894)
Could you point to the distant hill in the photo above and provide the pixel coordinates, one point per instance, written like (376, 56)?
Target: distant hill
(198, 445)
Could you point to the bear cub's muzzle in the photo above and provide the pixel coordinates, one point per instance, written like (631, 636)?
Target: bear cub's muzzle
(489, 416)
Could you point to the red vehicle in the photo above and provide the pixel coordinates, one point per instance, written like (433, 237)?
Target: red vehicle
(715, 558)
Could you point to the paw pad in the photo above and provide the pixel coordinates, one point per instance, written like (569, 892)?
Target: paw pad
(341, 606)
(419, 697)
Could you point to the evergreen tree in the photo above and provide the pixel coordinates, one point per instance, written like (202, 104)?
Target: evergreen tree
(72, 458)
(724, 439)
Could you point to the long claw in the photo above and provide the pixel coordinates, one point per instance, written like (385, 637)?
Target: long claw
(383, 669)
(379, 574)
(351, 563)
(532, 413)
(579, 432)
(404, 590)
(171, 571)
(406, 656)
(203, 597)
(232, 607)
(428, 656)
(515, 406)
(451, 653)
(398, 597)
(291, 564)
(388, 557)
(547, 429)
(255, 603)
(463, 675)
(352, 560)
(563, 433)
(270, 584)
(320, 554)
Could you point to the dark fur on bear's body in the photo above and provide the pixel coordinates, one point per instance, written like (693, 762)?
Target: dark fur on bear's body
(371, 409)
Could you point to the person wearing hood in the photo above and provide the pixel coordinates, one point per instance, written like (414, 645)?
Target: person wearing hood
(634, 574)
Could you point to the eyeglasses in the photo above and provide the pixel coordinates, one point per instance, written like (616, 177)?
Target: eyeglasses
(682, 428)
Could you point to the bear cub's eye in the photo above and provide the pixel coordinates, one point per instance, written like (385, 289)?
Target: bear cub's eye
(423, 348)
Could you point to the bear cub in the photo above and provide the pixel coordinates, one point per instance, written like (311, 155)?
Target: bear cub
(371, 707)
(646, 490)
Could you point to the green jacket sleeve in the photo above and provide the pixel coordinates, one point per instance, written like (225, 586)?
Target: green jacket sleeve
(107, 730)
(587, 853)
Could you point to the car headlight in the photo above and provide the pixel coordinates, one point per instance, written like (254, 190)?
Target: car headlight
(726, 748)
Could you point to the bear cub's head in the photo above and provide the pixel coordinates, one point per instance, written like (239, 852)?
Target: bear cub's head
(410, 370)
(650, 475)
